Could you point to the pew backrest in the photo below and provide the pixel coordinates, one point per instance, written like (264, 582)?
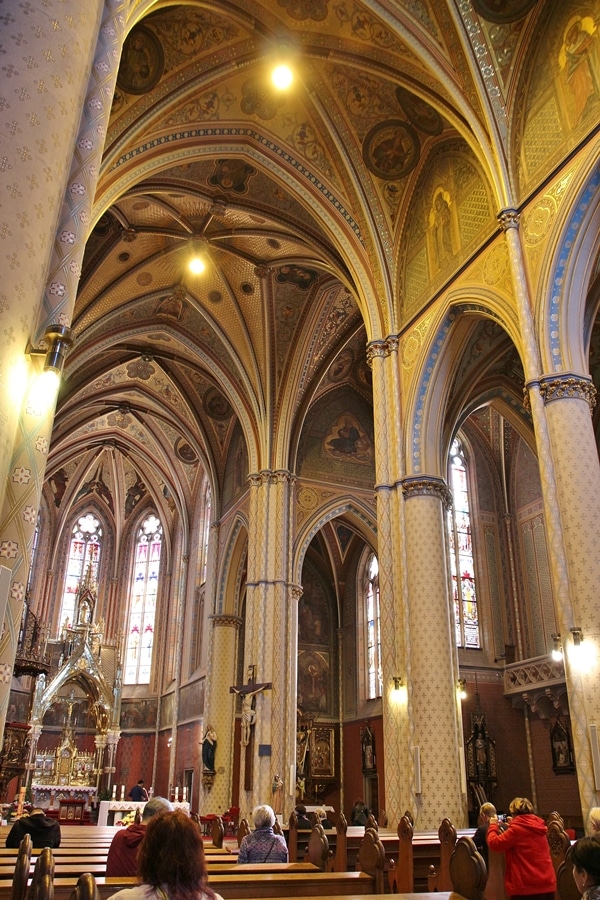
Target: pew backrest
(565, 883)
(467, 870)
(21, 873)
(293, 837)
(218, 832)
(371, 858)
(559, 842)
(372, 823)
(86, 888)
(317, 851)
(339, 862)
(243, 830)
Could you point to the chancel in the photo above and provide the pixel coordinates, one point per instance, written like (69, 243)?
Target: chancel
(354, 452)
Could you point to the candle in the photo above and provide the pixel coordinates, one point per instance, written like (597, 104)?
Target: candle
(122, 792)
(176, 794)
(184, 794)
(114, 796)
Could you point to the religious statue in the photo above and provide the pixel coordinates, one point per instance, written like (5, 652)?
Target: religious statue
(248, 692)
(209, 747)
(277, 791)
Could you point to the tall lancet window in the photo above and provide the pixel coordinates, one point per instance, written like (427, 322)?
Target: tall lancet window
(374, 676)
(84, 555)
(144, 591)
(461, 553)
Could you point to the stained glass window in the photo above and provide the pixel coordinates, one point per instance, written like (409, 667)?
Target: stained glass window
(374, 676)
(84, 555)
(144, 591)
(461, 553)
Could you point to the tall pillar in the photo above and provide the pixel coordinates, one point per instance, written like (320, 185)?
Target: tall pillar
(554, 508)
(398, 727)
(434, 671)
(64, 77)
(569, 399)
(271, 640)
(216, 792)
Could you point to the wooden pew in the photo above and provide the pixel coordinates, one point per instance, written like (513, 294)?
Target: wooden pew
(218, 832)
(401, 875)
(439, 879)
(317, 852)
(240, 886)
(21, 870)
(339, 861)
(86, 888)
(467, 870)
(558, 841)
(565, 883)
(243, 830)
(371, 858)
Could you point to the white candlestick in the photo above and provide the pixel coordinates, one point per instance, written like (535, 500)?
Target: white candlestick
(114, 792)
(176, 794)
(184, 794)
(122, 792)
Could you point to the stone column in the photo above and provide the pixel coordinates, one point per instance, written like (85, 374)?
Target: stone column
(59, 114)
(553, 509)
(271, 640)
(436, 711)
(569, 400)
(216, 791)
(393, 596)
(112, 739)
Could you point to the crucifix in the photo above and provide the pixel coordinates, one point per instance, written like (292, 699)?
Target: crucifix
(248, 694)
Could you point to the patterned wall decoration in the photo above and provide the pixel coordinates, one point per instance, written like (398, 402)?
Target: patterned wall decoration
(191, 701)
(452, 212)
(563, 98)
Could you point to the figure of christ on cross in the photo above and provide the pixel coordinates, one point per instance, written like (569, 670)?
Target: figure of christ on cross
(248, 694)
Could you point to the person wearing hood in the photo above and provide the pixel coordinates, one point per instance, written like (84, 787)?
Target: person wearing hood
(44, 831)
(529, 871)
(123, 851)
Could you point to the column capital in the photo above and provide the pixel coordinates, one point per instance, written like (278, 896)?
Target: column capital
(271, 476)
(427, 486)
(377, 350)
(508, 218)
(296, 590)
(226, 621)
(568, 386)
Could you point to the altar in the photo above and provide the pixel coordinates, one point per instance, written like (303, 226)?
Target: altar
(50, 796)
(112, 811)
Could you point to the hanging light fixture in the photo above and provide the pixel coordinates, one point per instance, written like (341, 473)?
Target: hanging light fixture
(557, 650)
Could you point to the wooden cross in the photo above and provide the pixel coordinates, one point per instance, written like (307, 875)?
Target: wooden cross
(248, 694)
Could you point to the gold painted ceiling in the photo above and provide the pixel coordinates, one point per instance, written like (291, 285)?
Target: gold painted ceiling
(302, 204)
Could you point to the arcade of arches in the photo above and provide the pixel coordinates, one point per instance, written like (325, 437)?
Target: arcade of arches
(354, 459)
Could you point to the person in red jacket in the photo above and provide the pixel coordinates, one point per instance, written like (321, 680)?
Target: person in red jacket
(123, 850)
(529, 872)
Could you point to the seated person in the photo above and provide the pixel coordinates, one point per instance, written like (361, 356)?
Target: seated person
(303, 820)
(322, 820)
(479, 838)
(122, 855)
(263, 845)
(44, 831)
(359, 814)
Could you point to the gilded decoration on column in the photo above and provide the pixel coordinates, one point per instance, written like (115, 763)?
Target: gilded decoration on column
(508, 218)
(427, 487)
(568, 386)
(377, 349)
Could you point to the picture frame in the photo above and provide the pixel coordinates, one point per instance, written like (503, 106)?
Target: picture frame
(322, 752)
(562, 750)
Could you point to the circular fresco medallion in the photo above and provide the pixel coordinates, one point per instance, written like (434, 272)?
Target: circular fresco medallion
(142, 61)
(216, 405)
(391, 149)
(503, 11)
(421, 114)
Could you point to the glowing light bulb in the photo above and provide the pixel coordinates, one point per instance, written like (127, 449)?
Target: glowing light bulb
(282, 77)
(197, 265)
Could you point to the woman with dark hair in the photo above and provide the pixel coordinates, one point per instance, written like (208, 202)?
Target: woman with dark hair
(585, 857)
(529, 872)
(171, 863)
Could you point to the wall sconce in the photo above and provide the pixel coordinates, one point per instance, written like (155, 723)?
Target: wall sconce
(397, 679)
(58, 339)
(577, 636)
(462, 688)
(557, 650)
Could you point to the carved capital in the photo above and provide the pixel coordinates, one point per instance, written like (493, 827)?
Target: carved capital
(508, 218)
(377, 349)
(297, 591)
(226, 621)
(393, 342)
(567, 386)
(426, 486)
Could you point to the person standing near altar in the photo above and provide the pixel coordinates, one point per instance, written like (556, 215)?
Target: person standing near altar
(138, 792)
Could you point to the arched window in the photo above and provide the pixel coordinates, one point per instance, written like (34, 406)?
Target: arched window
(84, 555)
(144, 591)
(207, 512)
(461, 553)
(373, 629)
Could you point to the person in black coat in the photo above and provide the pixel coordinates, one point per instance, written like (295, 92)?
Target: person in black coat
(44, 831)
(303, 820)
